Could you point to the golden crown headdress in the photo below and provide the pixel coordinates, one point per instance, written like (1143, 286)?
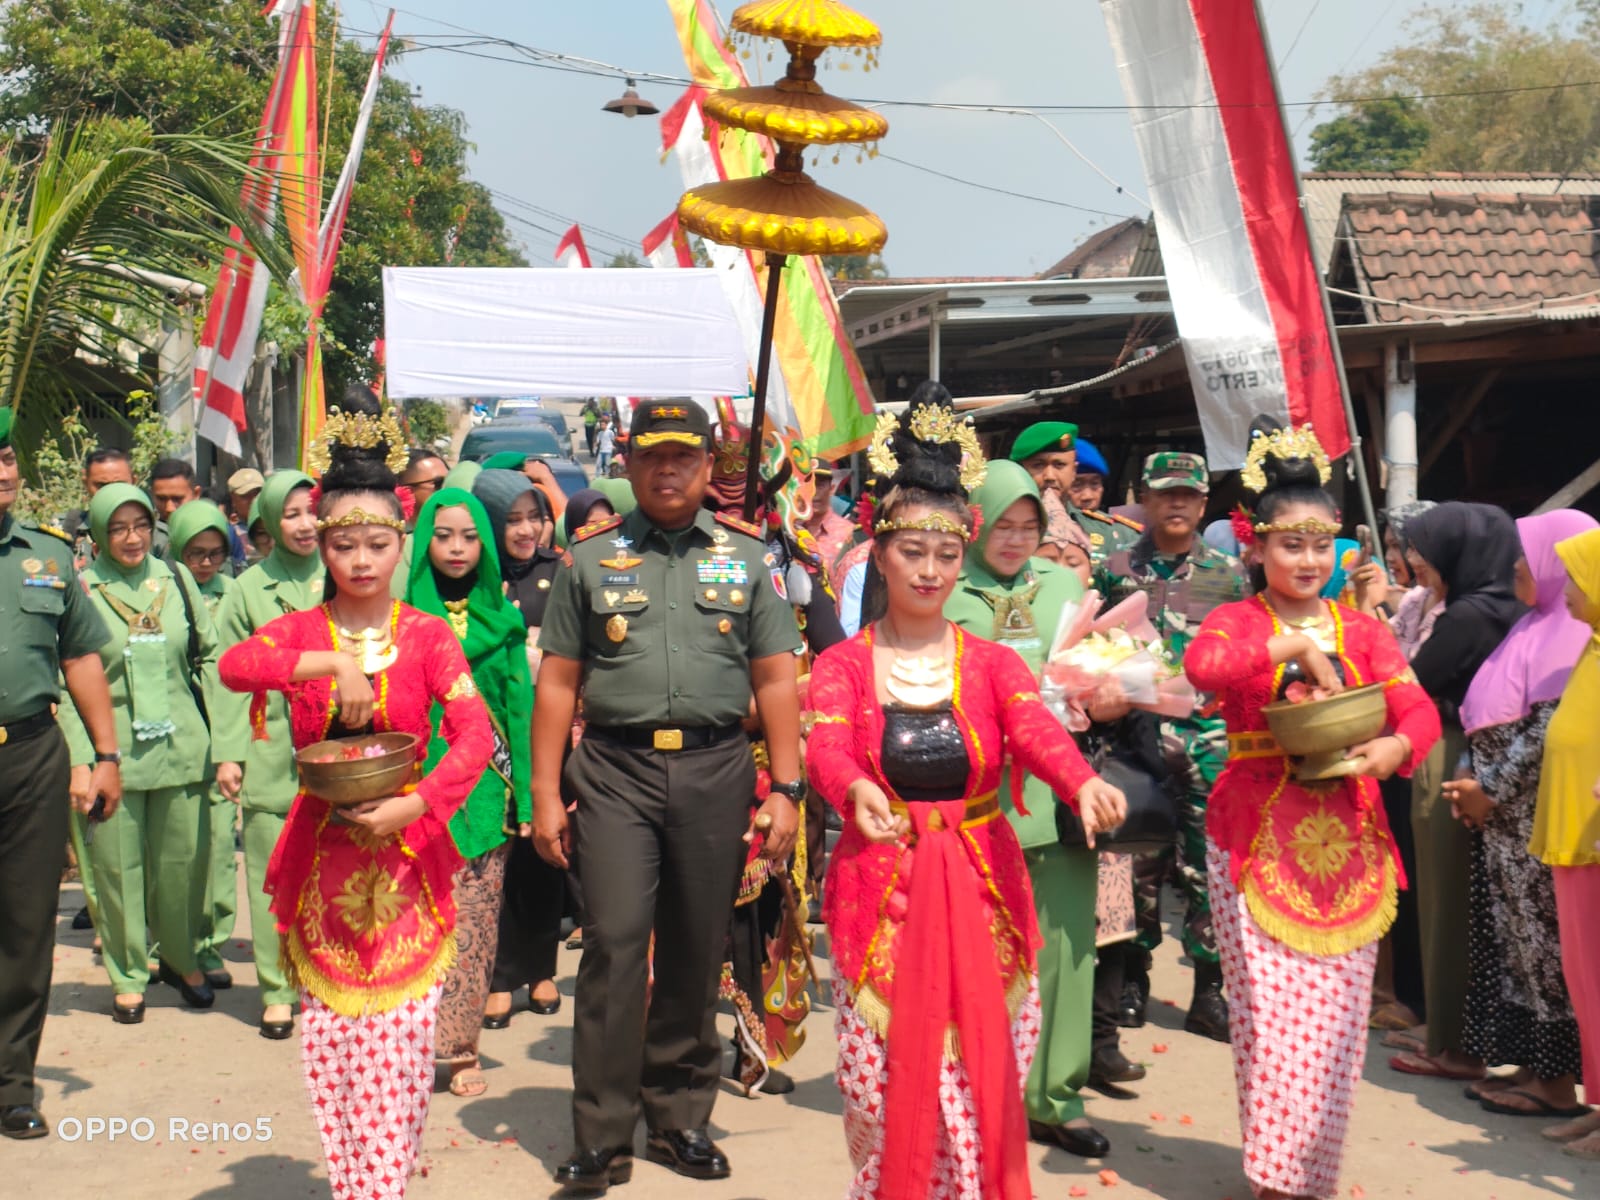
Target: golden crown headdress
(929, 423)
(360, 431)
(1290, 442)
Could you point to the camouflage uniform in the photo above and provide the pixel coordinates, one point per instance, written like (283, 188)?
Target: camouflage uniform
(1183, 589)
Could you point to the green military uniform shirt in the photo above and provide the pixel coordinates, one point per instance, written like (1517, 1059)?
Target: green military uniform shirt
(1107, 534)
(45, 618)
(666, 623)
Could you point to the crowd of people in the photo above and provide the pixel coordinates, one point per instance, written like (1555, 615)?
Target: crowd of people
(637, 717)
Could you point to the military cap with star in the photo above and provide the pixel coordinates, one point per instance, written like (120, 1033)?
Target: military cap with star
(1044, 436)
(657, 422)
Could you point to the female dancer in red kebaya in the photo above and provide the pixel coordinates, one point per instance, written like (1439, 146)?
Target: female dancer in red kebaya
(927, 903)
(363, 898)
(1303, 878)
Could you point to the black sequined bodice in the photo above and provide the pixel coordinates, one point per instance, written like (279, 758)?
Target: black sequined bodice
(924, 753)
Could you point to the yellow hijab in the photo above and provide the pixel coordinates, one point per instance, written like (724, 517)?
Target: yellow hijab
(1566, 825)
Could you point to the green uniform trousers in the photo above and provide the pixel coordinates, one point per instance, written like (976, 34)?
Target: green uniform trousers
(1064, 886)
(221, 902)
(261, 830)
(1444, 887)
(150, 875)
(1205, 752)
(34, 777)
(80, 848)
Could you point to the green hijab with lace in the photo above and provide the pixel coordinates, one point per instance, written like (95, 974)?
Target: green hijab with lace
(191, 520)
(494, 639)
(136, 596)
(302, 571)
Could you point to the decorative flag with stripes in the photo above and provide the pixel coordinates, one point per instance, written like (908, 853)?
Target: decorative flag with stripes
(233, 321)
(667, 245)
(1245, 288)
(817, 387)
(571, 251)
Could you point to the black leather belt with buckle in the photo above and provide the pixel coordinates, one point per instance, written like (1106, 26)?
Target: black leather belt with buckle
(694, 737)
(19, 731)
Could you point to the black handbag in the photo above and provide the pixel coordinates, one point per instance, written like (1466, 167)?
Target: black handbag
(1128, 756)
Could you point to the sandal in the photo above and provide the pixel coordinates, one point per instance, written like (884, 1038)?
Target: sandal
(1393, 1017)
(1541, 1107)
(1401, 1039)
(1424, 1064)
(468, 1081)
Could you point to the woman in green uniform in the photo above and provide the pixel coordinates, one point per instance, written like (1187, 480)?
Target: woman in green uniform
(198, 538)
(1007, 595)
(455, 574)
(152, 849)
(255, 768)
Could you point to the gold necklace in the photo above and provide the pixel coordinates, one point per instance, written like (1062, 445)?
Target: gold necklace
(919, 682)
(455, 611)
(374, 648)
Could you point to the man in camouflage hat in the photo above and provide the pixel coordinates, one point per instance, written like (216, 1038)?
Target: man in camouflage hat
(1185, 579)
(1048, 450)
(668, 622)
(48, 631)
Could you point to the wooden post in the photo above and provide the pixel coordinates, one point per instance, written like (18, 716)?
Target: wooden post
(758, 408)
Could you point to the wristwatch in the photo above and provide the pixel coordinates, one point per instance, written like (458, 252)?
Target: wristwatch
(115, 757)
(795, 791)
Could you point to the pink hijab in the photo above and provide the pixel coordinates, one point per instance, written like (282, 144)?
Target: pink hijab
(1532, 664)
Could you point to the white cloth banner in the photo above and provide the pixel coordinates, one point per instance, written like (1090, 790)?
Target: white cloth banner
(513, 331)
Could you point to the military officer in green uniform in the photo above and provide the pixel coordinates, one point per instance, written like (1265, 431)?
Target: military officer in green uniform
(1185, 579)
(48, 632)
(667, 622)
(1048, 450)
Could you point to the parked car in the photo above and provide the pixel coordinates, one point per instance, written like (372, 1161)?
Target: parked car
(530, 438)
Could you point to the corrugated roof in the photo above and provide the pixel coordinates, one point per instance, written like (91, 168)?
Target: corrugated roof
(1440, 254)
(1325, 193)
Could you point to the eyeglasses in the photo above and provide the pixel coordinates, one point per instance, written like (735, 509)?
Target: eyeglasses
(197, 557)
(433, 484)
(121, 530)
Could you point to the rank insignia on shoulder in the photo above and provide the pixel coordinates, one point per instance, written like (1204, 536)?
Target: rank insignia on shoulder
(1128, 521)
(734, 523)
(54, 531)
(593, 527)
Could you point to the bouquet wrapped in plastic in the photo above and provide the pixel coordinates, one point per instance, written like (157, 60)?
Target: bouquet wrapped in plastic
(1118, 648)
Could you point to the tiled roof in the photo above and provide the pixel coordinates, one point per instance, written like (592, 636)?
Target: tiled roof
(1468, 252)
(1107, 251)
(1325, 192)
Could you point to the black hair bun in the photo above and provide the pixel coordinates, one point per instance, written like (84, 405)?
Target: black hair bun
(359, 468)
(931, 466)
(1281, 470)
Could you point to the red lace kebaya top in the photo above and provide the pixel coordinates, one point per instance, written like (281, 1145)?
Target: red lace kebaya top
(934, 936)
(369, 923)
(1316, 862)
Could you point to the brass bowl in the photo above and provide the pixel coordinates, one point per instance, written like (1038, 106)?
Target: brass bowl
(1318, 732)
(347, 782)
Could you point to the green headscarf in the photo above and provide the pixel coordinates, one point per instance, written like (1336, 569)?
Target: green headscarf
(619, 492)
(283, 563)
(1003, 486)
(462, 475)
(135, 589)
(506, 460)
(192, 519)
(496, 649)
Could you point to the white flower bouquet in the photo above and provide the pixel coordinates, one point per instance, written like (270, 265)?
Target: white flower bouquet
(1118, 650)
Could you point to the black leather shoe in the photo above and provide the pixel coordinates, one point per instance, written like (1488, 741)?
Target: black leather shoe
(591, 1172)
(1208, 1011)
(687, 1152)
(130, 1014)
(277, 1031)
(498, 1021)
(1085, 1140)
(198, 995)
(1135, 1000)
(544, 1008)
(81, 921)
(219, 981)
(1110, 1066)
(22, 1121)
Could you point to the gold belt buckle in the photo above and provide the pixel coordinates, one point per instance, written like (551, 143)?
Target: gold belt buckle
(5, 735)
(669, 739)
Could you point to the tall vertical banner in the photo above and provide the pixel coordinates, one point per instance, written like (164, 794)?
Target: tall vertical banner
(817, 387)
(1245, 288)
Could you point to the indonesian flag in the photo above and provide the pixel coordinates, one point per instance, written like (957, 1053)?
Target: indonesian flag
(1245, 289)
(667, 245)
(227, 346)
(570, 251)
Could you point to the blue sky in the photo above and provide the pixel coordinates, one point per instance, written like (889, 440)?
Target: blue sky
(542, 138)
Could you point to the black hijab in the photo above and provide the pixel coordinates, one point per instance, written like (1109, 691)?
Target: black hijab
(1474, 548)
(579, 505)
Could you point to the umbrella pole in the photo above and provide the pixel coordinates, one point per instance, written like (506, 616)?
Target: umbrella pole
(758, 411)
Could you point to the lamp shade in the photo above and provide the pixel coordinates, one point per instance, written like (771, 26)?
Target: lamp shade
(782, 212)
(790, 113)
(813, 22)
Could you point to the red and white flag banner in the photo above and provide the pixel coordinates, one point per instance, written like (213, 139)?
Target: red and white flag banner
(570, 250)
(667, 245)
(1245, 289)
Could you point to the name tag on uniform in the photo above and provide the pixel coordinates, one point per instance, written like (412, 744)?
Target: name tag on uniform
(628, 580)
(713, 570)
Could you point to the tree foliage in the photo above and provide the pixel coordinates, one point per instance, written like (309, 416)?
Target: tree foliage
(855, 266)
(206, 65)
(1386, 135)
(1493, 94)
